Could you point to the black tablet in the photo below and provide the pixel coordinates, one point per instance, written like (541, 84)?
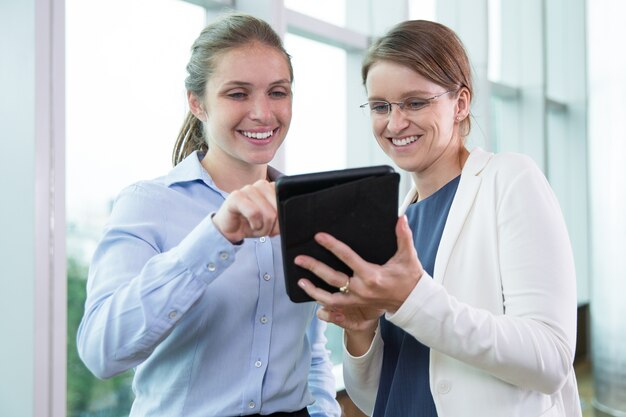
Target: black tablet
(358, 206)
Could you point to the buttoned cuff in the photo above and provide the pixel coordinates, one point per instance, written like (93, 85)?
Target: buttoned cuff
(206, 252)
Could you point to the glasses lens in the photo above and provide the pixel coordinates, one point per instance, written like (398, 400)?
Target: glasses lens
(379, 107)
(414, 104)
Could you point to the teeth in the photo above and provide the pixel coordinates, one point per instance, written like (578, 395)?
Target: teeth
(404, 141)
(258, 135)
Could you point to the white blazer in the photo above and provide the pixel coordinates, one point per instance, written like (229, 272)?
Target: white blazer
(500, 312)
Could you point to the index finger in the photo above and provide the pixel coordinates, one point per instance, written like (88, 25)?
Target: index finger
(343, 252)
(324, 297)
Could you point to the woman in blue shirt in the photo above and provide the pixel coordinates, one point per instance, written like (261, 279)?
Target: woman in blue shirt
(475, 314)
(186, 285)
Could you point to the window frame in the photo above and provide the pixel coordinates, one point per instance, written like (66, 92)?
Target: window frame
(50, 286)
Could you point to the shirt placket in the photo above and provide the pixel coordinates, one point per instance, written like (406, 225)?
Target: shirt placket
(262, 328)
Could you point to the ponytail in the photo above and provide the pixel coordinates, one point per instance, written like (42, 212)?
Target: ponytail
(190, 139)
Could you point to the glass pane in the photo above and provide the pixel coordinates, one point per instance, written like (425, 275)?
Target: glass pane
(495, 41)
(317, 136)
(125, 104)
(331, 11)
(504, 125)
(423, 9)
(607, 202)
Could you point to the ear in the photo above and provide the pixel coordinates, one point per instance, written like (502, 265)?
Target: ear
(463, 104)
(196, 106)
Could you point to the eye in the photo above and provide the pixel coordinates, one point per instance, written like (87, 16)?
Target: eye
(415, 103)
(237, 95)
(381, 107)
(278, 94)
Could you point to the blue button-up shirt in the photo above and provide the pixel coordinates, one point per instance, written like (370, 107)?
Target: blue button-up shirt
(206, 324)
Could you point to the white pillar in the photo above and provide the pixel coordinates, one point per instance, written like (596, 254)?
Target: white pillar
(607, 159)
(32, 270)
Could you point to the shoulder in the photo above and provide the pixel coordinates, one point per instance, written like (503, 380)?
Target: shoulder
(505, 172)
(144, 189)
(510, 165)
(146, 198)
(512, 161)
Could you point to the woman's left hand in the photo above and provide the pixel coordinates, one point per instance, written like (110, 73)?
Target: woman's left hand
(383, 287)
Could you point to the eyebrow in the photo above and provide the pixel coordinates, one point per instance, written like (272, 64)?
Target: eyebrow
(247, 84)
(408, 94)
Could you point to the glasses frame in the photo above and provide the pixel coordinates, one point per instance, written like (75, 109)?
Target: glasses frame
(402, 104)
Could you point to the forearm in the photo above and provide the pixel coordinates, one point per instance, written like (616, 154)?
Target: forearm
(358, 342)
(121, 330)
(321, 379)
(131, 307)
(524, 351)
(362, 374)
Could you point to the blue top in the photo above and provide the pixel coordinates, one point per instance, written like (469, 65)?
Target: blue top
(207, 324)
(404, 388)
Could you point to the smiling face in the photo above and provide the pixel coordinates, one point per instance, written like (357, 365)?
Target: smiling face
(246, 107)
(424, 141)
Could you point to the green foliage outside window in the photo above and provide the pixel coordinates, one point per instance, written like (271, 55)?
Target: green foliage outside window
(88, 396)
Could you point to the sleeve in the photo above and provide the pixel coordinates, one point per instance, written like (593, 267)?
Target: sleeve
(135, 292)
(532, 344)
(321, 378)
(362, 374)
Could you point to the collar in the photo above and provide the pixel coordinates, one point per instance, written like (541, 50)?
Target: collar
(187, 170)
(190, 169)
(476, 161)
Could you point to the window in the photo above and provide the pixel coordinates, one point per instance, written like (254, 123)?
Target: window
(538, 102)
(331, 11)
(125, 105)
(317, 136)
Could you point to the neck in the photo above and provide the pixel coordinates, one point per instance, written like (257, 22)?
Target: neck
(232, 176)
(430, 181)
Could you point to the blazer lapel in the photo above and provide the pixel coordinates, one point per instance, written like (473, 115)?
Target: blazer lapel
(461, 205)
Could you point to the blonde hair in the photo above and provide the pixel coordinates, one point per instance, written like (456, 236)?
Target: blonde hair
(231, 31)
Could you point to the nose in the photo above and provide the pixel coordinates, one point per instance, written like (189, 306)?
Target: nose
(261, 108)
(397, 119)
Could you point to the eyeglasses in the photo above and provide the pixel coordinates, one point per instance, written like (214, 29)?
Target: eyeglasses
(382, 108)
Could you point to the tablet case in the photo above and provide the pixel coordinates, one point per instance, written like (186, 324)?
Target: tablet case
(358, 206)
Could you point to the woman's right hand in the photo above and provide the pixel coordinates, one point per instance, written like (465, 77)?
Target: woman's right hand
(352, 319)
(248, 212)
(360, 324)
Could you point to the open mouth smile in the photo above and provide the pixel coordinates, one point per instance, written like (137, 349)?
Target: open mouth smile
(258, 135)
(404, 141)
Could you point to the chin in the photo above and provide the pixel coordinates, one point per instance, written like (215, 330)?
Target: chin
(405, 165)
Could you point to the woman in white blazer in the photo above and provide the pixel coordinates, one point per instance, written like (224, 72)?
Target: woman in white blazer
(475, 315)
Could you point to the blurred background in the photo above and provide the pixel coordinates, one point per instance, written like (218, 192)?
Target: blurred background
(93, 97)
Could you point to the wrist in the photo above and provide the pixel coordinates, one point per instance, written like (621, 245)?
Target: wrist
(358, 341)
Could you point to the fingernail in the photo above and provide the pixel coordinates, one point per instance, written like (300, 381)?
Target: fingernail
(301, 283)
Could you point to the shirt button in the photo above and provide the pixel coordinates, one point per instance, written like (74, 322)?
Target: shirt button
(258, 364)
(262, 239)
(267, 277)
(211, 266)
(264, 320)
(443, 387)
(251, 404)
(223, 256)
(173, 315)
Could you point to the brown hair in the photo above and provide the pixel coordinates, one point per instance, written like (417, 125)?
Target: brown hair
(431, 49)
(231, 31)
